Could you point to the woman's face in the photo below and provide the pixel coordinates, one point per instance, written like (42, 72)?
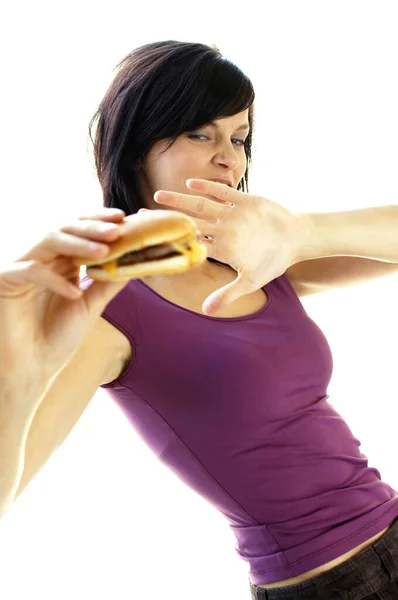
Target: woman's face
(214, 151)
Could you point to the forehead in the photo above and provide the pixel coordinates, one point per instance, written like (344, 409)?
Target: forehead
(240, 120)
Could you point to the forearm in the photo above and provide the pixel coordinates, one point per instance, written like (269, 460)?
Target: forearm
(16, 415)
(366, 232)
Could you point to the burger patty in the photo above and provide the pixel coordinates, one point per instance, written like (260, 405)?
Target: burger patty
(147, 254)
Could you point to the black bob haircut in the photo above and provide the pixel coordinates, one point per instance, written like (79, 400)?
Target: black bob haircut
(160, 91)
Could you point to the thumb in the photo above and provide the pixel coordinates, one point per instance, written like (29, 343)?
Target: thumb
(224, 296)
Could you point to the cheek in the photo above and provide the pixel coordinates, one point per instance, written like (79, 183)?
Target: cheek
(243, 165)
(181, 166)
(169, 175)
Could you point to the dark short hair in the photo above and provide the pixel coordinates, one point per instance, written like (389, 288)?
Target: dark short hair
(160, 91)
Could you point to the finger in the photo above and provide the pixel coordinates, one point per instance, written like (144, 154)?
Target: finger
(59, 243)
(194, 206)
(69, 272)
(93, 230)
(74, 279)
(63, 265)
(221, 191)
(32, 272)
(106, 214)
(225, 295)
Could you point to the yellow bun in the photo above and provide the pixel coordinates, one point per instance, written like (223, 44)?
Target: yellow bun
(144, 230)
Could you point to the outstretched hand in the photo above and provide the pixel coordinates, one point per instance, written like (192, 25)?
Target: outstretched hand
(258, 238)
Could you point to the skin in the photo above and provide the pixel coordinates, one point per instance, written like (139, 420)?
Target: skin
(218, 152)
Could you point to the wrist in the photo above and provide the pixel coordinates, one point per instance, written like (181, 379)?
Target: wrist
(307, 237)
(322, 235)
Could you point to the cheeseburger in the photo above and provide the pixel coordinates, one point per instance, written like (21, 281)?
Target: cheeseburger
(153, 243)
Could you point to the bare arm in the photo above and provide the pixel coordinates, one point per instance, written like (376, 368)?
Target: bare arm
(14, 428)
(34, 440)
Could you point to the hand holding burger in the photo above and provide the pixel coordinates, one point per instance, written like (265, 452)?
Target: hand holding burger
(44, 318)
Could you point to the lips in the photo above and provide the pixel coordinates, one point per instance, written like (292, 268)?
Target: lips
(221, 180)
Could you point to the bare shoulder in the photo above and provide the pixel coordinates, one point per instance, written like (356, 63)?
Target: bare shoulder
(120, 349)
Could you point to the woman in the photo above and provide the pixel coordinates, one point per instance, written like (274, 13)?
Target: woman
(236, 404)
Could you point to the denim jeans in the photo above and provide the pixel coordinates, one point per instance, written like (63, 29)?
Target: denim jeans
(372, 574)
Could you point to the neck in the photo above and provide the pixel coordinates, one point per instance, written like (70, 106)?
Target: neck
(210, 270)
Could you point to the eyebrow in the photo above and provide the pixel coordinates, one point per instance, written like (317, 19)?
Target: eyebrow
(244, 127)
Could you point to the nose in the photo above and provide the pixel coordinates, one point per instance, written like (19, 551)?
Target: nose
(227, 157)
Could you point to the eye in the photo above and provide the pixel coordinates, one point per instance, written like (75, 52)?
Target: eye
(237, 141)
(241, 142)
(197, 135)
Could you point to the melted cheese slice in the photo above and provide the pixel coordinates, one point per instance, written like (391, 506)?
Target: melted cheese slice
(111, 266)
(193, 253)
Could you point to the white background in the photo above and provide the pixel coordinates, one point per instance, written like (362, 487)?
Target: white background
(103, 519)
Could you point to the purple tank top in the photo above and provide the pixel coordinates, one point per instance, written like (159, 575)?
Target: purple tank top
(238, 409)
